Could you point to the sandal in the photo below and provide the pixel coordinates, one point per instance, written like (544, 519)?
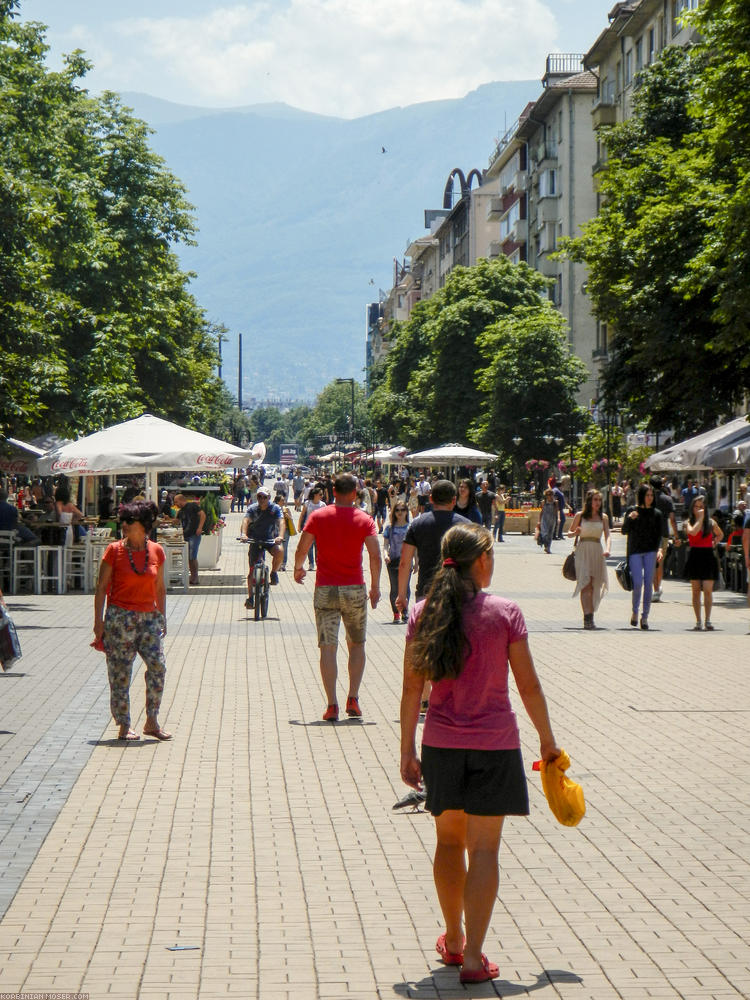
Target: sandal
(488, 971)
(708, 627)
(129, 737)
(448, 957)
(158, 734)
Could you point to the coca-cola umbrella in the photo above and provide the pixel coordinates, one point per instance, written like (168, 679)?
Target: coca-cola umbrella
(19, 458)
(146, 444)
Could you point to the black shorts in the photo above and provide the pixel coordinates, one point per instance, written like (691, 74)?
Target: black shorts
(254, 550)
(480, 782)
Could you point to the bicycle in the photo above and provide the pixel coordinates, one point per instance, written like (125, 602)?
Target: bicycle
(261, 582)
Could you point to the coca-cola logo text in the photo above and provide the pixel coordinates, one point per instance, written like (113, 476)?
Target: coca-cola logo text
(214, 460)
(69, 463)
(17, 467)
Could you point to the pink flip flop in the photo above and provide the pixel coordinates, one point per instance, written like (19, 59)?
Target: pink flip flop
(448, 957)
(488, 971)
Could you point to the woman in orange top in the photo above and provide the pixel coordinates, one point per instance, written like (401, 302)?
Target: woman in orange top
(131, 577)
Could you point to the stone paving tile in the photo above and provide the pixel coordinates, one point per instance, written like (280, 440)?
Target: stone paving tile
(266, 837)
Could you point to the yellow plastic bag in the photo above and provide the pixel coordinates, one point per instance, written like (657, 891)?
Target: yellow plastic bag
(564, 796)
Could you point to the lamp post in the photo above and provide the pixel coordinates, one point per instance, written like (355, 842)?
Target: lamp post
(350, 381)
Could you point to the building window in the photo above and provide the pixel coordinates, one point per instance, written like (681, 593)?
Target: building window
(555, 292)
(559, 126)
(639, 54)
(628, 67)
(509, 219)
(547, 183)
(651, 46)
(618, 78)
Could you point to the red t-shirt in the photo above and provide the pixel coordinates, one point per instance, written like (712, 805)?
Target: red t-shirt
(339, 533)
(129, 590)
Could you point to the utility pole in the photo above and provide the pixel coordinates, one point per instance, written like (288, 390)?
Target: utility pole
(221, 339)
(239, 374)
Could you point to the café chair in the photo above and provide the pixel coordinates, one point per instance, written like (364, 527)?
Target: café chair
(77, 560)
(176, 569)
(25, 568)
(51, 567)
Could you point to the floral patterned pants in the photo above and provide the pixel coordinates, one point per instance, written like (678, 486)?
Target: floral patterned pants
(127, 633)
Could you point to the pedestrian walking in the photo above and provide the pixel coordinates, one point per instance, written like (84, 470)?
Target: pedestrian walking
(466, 502)
(501, 499)
(702, 566)
(393, 540)
(549, 520)
(485, 501)
(663, 503)
(589, 526)
(131, 580)
(462, 640)
(644, 530)
(192, 519)
(340, 531)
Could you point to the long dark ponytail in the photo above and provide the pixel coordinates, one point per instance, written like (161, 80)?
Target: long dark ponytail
(440, 645)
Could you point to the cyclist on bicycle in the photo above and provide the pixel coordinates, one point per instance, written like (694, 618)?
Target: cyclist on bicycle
(263, 527)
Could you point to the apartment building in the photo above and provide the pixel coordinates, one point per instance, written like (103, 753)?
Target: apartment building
(637, 32)
(543, 169)
(540, 184)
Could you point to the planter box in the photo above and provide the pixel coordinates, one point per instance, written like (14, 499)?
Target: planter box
(518, 524)
(209, 551)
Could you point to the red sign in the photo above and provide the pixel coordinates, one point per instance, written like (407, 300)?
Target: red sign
(14, 466)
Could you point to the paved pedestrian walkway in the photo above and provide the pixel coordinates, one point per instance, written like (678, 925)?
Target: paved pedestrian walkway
(261, 844)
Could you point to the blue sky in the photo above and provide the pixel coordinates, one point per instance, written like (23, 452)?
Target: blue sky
(342, 57)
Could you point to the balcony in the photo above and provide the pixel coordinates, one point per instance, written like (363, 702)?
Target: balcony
(520, 180)
(603, 113)
(495, 209)
(519, 232)
(494, 250)
(548, 209)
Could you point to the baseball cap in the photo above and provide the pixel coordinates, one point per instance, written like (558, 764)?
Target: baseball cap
(263, 492)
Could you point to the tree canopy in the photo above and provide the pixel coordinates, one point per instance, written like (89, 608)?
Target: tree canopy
(669, 266)
(453, 370)
(97, 323)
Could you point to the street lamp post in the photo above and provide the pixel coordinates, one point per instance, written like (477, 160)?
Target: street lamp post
(350, 381)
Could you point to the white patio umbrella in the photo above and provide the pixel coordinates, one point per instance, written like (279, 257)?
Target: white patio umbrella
(395, 454)
(20, 457)
(714, 449)
(450, 454)
(146, 444)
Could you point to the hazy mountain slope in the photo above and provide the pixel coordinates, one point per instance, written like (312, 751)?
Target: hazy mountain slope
(298, 212)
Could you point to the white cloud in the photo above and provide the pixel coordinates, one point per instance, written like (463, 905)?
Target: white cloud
(340, 57)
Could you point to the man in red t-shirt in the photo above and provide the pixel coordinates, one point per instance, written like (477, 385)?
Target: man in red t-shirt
(339, 532)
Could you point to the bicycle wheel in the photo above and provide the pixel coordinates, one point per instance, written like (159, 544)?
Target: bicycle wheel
(265, 593)
(258, 593)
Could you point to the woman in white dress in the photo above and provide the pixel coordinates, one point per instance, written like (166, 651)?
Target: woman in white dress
(588, 527)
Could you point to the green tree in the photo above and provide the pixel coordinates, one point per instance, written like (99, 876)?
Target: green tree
(661, 252)
(529, 384)
(429, 391)
(97, 323)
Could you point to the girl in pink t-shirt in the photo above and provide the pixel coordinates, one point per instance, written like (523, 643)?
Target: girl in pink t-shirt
(463, 640)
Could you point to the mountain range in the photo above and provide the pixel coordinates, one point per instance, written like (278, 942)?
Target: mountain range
(300, 217)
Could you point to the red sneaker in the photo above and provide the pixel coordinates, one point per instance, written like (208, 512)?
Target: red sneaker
(352, 708)
(331, 714)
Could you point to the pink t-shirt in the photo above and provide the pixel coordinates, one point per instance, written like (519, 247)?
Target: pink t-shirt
(339, 533)
(473, 711)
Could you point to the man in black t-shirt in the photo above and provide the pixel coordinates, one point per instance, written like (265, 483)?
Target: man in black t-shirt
(423, 538)
(192, 519)
(485, 499)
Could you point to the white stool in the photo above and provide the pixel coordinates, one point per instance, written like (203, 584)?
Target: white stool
(176, 567)
(77, 558)
(97, 548)
(25, 567)
(50, 567)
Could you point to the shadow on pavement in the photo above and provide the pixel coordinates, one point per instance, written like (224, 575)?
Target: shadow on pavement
(331, 725)
(444, 979)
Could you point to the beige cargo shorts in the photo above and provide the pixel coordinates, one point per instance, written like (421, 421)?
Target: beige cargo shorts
(335, 604)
